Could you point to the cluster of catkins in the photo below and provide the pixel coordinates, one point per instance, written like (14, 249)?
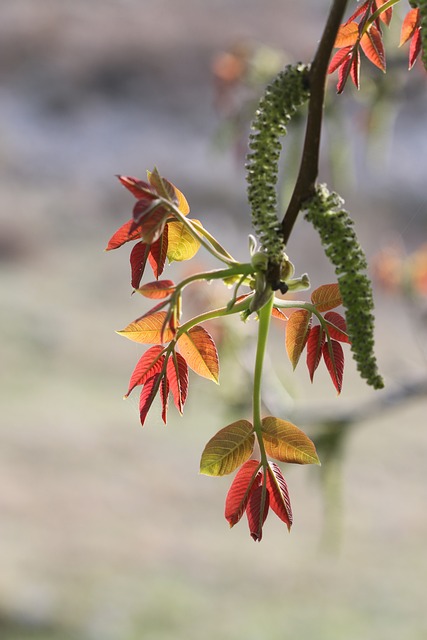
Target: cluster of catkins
(282, 98)
(335, 227)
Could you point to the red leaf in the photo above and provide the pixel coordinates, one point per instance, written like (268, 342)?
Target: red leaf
(198, 348)
(148, 365)
(334, 360)
(238, 494)
(168, 190)
(337, 326)
(158, 252)
(339, 58)
(373, 47)
(279, 495)
(138, 260)
(164, 397)
(148, 393)
(358, 12)
(125, 233)
(415, 48)
(177, 374)
(151, 220)
(343, 73)
(138, 188)
(315, 342)
(386, 15)
(258, 502)
(355, 69)
(347, 35)
(409, 25)
(157, 290)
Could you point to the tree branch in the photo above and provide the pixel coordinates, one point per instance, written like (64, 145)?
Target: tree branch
(309, 167)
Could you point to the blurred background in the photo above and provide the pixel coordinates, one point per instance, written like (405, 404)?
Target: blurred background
(107, 531)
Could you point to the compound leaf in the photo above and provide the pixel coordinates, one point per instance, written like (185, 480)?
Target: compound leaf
(285, 442)
(199, 350)
(147, 366)
(228, 449)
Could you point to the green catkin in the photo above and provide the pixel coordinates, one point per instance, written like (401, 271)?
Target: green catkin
(422, 6)
(282, 98)
(335, 227)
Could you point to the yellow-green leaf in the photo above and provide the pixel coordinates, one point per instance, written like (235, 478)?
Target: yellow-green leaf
(297, 330)
(199, 350)
(182, 245)
(148, 329)
(285, 442)
(228, 449)
(326, 297)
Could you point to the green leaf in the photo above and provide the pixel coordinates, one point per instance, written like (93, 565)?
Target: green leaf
(228, 449)
(283, 441)
(182, 244)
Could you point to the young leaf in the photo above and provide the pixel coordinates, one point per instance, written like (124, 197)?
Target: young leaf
(238, 495)
(158, 252)
(199, 350)
(334, 360)
(138, 260)
(316, 339)
(148, 393)
(339, 58)
(296, 334)
(125, 233)
(253, 511)
(386, 15)
(285, 442)
(177, 376)
(148, 365)
(164, 397)
(157, 290)
(278, 313)
(182, 244)
(373, 47)
(326, 297)
(279, 495)
(347, 35)
(151, 221)
(415, 48)
(148, 329)
(344, 71)
(228, 449)
(337, 326)
(168, 191)
(409, 25)
(355, 68)
(138, 188)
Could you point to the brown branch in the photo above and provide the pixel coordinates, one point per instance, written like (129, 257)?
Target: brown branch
(309, 167)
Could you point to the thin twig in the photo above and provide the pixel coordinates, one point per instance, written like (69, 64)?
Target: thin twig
(309, 167)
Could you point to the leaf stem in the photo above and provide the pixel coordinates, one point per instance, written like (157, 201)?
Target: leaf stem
(264, 315)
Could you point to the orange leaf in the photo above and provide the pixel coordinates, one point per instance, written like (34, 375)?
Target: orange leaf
(285, 442)
(177, 375)
(148, 365)
(199, 350)
(125, 233)
(239, 492)
(296, 334)
(326, 297)
(409, 25)
(229, 448)
(148, 329)
(415, 48)
(315, 343)
(334, 360)
(386, 15)
(347, 35)
(279, 494)
(373, 47)
(278, 313)
(157, 289)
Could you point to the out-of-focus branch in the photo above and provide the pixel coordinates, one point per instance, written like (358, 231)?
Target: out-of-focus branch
(309, 166)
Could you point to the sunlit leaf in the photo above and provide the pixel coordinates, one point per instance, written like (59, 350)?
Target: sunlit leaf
(360, 9)
(409, 25)
(157, 289)
(148, 365)
(238, 494)
(278, 313)
(373, 47)
(415, 48)
(182, 244)
(158, 251)
(326, 297)
(148, 393)
(228, 449)
(338, 58)
(151, 221)
(199, 350)
(316, 339)
(168, 190)
(296, 334)
(164, 397)
(138, 260)
(344, 71)
(347, 35)
(177, 375)
(355, 68)
(138, 188)
(386, 15)
(334, 359)
(258, 501)
(148, 329)
(337, 326)
(279, 494)
(125, 233)
(285, 442)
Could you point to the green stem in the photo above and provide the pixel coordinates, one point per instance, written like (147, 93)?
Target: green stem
(240, 269)
(264, 315)
(214, 313)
